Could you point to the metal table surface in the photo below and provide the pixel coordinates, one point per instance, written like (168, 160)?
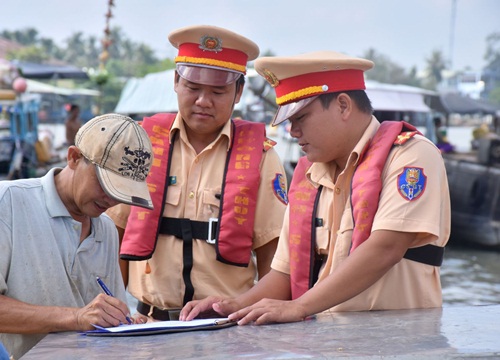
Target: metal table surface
(447, 333)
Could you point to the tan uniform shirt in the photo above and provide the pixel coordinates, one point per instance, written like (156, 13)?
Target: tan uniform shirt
(199, 179)
(408, 284)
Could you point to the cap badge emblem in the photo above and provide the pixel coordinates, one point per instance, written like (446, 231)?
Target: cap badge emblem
(210, 43)
(271, 78)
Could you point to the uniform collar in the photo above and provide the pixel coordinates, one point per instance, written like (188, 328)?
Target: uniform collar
(319, 173)
(179, 126)
(363, 143)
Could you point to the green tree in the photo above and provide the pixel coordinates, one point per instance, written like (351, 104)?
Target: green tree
(491, 72)
(76, 50)
(50, 48)
(386, 71)
(126, 58)
(28, 36)
(436, 63)
(29, 53)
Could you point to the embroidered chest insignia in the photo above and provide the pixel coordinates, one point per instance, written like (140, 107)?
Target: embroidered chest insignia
(411, 183)
(279, 188)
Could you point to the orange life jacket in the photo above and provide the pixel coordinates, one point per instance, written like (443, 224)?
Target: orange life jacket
(365, 194)
(233, 239)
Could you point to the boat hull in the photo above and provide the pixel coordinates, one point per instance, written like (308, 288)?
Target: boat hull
(474, 193)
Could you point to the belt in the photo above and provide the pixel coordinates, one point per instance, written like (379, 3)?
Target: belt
(157, 313)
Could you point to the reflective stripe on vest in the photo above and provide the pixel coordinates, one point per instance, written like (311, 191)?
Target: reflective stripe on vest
(238, 197)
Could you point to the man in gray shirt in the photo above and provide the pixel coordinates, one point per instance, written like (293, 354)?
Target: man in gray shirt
(55, 239)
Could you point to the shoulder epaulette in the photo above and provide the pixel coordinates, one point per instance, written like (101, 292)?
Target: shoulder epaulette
(268, 144)
(404, 137)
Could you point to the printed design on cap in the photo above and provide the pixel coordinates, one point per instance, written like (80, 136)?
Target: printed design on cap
(411, 183)
(210, 43)
(279, 188)
(135, 164)
(271, 78)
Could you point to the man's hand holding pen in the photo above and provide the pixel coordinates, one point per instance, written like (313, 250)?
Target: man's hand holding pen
(104, 310)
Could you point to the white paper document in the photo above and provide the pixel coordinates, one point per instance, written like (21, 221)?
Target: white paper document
(158, 327)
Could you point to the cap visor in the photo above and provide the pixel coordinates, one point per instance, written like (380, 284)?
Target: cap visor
(123, 189)
(207, 75)
(286, 111)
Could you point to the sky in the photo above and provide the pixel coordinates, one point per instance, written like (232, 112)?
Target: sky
(406, 31)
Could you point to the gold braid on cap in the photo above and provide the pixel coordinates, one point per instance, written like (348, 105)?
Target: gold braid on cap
(211, 62)
(294, 95)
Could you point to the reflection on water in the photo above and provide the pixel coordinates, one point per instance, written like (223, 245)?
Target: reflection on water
(470, 276)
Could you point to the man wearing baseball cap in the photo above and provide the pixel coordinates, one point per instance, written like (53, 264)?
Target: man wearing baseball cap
(55, 240)
(369, 210)
(218, 186)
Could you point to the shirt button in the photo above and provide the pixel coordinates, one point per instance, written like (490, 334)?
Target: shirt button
(337, 191)
(191, 195)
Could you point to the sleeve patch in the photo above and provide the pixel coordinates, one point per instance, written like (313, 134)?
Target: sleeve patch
(279, 188)
(411, 183)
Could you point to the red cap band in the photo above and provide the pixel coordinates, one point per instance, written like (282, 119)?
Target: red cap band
(230, 59)
(306, 85)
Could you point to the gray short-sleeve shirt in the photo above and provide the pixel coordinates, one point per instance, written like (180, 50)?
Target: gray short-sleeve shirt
(42, 260)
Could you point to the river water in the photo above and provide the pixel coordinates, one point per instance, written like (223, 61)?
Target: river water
(469, 276)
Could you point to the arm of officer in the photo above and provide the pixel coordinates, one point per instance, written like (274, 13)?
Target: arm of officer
(264, 255)
(274, 284)
(368, 263)
(22, 318)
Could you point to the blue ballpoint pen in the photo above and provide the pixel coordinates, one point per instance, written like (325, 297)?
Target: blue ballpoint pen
(109, 293)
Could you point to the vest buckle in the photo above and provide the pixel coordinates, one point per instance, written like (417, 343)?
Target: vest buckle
(212, 230)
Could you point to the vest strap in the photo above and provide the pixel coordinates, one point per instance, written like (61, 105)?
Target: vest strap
(187, 255)
(428, 254)
(203, 230)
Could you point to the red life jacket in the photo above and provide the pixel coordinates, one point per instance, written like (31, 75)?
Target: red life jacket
(303, 198)
(238, 198)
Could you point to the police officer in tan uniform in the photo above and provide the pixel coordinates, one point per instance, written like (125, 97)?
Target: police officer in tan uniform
(399, 198)
(212, 165)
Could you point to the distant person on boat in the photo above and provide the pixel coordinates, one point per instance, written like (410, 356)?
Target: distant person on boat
(442, 137)
(220, 185)
(369, 208)
(480, 132)
(55, 238)
(72, 123)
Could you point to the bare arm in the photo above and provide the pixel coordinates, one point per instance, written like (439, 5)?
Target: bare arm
(367, 264)
(23, 318)
(123, 263)
(265, 256)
